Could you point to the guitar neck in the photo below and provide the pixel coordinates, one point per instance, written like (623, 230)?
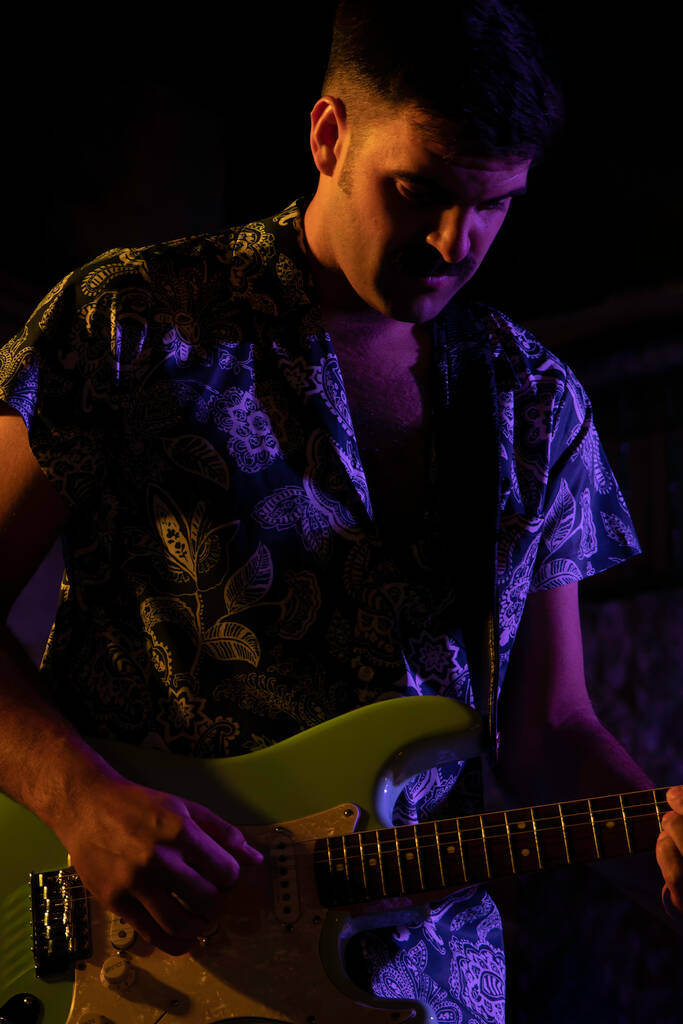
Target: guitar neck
(456, 852)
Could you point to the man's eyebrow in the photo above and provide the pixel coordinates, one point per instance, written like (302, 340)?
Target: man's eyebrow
(420, 179)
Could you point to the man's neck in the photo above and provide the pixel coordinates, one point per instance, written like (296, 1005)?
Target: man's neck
(376, 340)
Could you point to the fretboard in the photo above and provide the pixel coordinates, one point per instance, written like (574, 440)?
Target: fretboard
(457, 852)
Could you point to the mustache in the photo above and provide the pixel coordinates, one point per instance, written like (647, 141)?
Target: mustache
(424, 265)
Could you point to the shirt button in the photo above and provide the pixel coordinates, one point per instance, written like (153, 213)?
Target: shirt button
(366, 673)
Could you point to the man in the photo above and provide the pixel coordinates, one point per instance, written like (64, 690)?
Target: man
(293, 477)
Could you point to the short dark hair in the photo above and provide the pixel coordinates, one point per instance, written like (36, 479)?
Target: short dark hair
(478, 64)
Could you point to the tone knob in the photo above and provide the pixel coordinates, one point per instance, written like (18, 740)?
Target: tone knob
(121, 934)
(117, 973)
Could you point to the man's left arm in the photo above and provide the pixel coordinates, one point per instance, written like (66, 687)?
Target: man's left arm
(553, 747)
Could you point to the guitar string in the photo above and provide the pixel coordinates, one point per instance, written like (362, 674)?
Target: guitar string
(547, 824)
(425, 846)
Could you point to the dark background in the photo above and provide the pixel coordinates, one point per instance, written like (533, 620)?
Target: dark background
(145, 129)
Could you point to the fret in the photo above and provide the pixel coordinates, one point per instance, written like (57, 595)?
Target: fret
(338, 879)
(512, 856)
(521, 839)
(419, 859)
(411, 879)
(564, 834)
(381, 865)
(462, 853)
(581, 832)
(398, 861)
(644, 819)
(626, 831)
(538, 848)
(609, 822)
(371, 866)
(362, 862)
(498, 847)
(483, 841)
(595, 834)
(427, 865)
(438, 850)
(346, 859)
(355, 868)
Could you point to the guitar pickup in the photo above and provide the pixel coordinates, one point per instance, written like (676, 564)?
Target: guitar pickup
(285, 878)
(60, 918)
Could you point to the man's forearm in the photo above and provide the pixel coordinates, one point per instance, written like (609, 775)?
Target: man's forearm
(582, 759)
(579, 758)
(44, 762)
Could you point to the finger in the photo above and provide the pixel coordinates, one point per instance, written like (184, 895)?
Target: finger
(672, 826)
(226, 836)
(671, 865)
(674, 798)
(198, 893)
(132, 911)
(172, 914)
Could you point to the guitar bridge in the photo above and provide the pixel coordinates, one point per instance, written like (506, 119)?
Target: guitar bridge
(60, 917)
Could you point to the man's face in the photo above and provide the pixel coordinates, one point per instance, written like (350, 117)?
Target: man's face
(408, 223)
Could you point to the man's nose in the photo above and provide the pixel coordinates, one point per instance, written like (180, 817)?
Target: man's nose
(451, 236)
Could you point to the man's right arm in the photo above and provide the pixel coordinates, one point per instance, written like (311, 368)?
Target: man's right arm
(161, 862)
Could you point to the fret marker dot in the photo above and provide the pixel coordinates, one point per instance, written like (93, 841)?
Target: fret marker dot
(521, 825)
(610, 824)
(372, 862)
(410, 856)
(450, 849)
(339, 867)
(525, 852)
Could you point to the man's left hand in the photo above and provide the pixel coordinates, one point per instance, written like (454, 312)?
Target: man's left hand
(670, 852)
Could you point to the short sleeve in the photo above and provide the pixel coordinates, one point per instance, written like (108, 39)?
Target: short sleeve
(61, 374)
(587, 527)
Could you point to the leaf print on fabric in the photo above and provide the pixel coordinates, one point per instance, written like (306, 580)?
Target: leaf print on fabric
(174, 532)
(300, 606)
(332, 392)
(231, 641)
(290, 508)
(197, 455)
(513, 595)
(560, 518)
(250, 582)
(168, 609)
(513, 529)
(558, 572)
(619, 530)
(250, 438)
(326, 483)
(478, 979)
(602, 479)
(589, 536)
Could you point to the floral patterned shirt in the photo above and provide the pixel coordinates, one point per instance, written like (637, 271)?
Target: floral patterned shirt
(226, 582)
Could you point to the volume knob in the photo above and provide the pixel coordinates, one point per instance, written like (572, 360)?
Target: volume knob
(117, 973)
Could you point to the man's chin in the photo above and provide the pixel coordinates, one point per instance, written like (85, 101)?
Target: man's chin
(421, 306)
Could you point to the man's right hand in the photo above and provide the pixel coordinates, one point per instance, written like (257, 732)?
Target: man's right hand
(163, 863)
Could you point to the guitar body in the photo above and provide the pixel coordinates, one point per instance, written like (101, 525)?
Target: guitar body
(278, 954)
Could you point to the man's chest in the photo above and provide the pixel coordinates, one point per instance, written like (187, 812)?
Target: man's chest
(390, 415)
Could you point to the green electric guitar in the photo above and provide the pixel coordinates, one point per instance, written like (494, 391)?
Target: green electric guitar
(319, 805)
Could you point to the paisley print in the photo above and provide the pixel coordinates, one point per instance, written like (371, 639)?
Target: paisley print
(226, 584)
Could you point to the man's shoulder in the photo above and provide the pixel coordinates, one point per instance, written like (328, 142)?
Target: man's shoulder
(516, 353)
(251, 262)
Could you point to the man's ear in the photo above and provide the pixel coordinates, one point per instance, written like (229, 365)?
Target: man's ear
(328, 131)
